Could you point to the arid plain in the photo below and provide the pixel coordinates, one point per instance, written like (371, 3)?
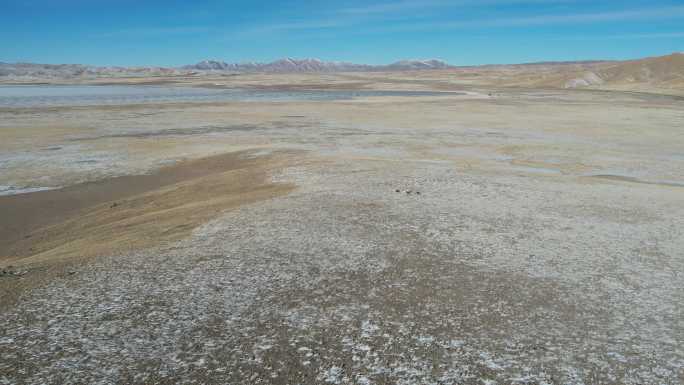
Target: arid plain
(497, 229)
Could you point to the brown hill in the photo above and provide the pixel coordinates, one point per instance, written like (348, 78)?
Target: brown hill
(664, 72)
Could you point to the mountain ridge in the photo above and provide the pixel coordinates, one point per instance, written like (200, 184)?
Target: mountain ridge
(313, 65)
(284, 65)
(650, 73)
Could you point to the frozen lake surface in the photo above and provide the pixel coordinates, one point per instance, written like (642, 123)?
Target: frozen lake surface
(56, 95)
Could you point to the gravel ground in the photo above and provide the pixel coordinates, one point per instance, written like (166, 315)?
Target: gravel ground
(399, 259)
(475, 280)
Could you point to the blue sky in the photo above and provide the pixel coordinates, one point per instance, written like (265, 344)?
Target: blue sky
(463, 32)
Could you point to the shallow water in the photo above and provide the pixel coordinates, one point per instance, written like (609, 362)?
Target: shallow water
(54, 95)
(13, 190)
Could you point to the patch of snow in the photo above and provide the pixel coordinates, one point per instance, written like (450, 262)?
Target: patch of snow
(12, 190)
(587, 79)
(425, 340)
(333, 375)
(368, 329)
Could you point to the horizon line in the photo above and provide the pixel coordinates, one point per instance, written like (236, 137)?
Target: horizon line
(346, 62)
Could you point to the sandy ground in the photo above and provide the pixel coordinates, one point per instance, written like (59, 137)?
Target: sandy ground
(504, 236)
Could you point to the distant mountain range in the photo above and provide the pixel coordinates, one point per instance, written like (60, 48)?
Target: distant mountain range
(663, 72)
(282, 65)
(69, 71)
(279, 66)
(313, 65)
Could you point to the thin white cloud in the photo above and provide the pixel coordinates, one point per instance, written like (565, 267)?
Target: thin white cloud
(388, 11)
(154, 31)
(628, 36)
(398, 6)
(408, 5)
(283, 28)
(674, 12)
(369, 23)
(581, 18)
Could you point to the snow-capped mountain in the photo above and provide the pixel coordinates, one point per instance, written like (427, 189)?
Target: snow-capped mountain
(419, 64)
(313, 65)
(287, 65)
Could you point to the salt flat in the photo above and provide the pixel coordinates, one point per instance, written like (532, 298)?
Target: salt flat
(495, 235)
